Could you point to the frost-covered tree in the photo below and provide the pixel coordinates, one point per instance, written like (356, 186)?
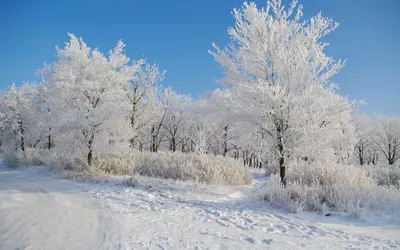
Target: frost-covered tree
(279, 77)
(141, 91)
(176, 117)
(387, 138)
(365, 150)
(219, 121)
(86, 87)
(19, 116)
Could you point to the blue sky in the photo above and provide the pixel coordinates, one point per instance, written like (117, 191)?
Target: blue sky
(177, 35)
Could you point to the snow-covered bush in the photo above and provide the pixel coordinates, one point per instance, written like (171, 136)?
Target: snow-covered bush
(34, 157)
(201, 168)
(57, 160)
(331, 187)
(384, 175)
(122, 163)
(208, 169)
(329, 174)
(66, 161)
(10, 158)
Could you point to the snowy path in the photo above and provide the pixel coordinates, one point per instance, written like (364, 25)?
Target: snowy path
(39, 212)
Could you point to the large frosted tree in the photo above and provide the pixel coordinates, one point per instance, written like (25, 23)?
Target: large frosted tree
(86, 87)
(279, 76)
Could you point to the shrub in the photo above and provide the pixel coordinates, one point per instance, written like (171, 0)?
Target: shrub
(33, 157)
(121, 163)
(384, 175)
(11, 158)
(331, 187)
(329, 174)
(208, 169)
(202, 168)
(60, 160)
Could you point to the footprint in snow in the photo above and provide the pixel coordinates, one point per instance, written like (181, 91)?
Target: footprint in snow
(267, 241)
(251, 240)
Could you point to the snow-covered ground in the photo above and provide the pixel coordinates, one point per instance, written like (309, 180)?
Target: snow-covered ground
(38, 211)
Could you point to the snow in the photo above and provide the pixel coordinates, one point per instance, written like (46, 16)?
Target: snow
(39, 211)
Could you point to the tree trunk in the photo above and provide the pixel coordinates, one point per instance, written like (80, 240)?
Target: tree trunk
(225, 136)
(173, 144)
(391, 155)
(89, 158)
(22, 136)
(153, 140)
(132, 140)
(282, 167)
(90, 154)
(374, 158)
(154, 145)
(361, 155)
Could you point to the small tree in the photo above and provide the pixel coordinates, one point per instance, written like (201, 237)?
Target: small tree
(387, 138)
(365, 150)
(140, 91)
(175, 116)
(19, 115)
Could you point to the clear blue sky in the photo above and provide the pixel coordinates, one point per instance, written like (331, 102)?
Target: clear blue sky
(177, 35)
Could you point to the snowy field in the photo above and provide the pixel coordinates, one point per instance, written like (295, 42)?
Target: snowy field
(39, 211)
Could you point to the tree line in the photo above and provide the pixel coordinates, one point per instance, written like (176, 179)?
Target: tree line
(276, 104)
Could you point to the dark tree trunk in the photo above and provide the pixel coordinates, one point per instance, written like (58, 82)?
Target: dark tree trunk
(282, 170)
(225, 136)
(90, 154)
(89, 157)
(22, 136)
(154, 145)
(361, 155)
(173, 144)
(49, 145)
(153, 140)
(391, 154)
(282, 167)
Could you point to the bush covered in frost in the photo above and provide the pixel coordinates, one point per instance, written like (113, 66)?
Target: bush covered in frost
(384, 175)
(332, 187)
(202, 168)
(208, 169)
